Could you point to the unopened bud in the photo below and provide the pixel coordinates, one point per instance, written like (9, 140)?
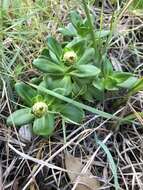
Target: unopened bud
(39, 109)
(70, 57)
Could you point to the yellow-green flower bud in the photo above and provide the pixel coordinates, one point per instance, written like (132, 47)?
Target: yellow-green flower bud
(70, 57)
(39, 109)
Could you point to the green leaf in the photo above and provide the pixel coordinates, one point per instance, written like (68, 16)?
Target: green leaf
(36, 80)
(93, 93)
(107, 67)
(83, 30)
(75, 18)
(102, 34)
(121, 76)
(65, 32)
(25, 92)
(61, 85)
(68, 31)
(112, 164)
(130, 117)
(75, 103)
(85, 71)
(5, 5)
(88, 96)
(54, 58)
(71, 113)
(18, 70)
(137, 86)
(128, 83)
(44, 126)
(110, 84)
(78, 45)
(87, 57)
(137, 4)
(99, 84)
(54, 46)
(124, 79)
(20, 117)
(78, 89)
(45, 53)
(47, 66)
(44, 83)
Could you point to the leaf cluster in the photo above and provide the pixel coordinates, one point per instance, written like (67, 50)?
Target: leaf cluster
(72, 69)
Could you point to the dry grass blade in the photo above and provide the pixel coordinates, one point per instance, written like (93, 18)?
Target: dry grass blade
(40, 162)
(87, 132)
(136, 114)
(125, 8)
(86, 181)
(1, 185)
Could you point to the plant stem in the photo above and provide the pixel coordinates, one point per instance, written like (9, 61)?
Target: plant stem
(86, 9)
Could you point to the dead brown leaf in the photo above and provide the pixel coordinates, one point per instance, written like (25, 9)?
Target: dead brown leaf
(86, 181)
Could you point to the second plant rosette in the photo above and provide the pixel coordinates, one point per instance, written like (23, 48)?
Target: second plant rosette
(42, 110)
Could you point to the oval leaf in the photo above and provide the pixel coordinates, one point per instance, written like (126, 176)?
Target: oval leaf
(47, 66)
(44, 126)
(54, 46)
(110, 84)
(25, 92)
(86, 71)
(60, 85)
(45, 53)
(121, 76)
(71, 113)
(124, 79)
(78, 45)
(107, 67)
(128, 83)
(75, 18)
(93, 93)
(20, 117)
(99, 84)
(88, 56)
(137, 86)
(68, 31)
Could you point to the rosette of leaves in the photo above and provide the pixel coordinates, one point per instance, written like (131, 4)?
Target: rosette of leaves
(79, 30)
(77, 26)
(80, 27)
(69, 70)
(42, 111)
(114, 80)
(108, 79)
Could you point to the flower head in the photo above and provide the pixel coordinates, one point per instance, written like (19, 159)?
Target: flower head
(70, 57)
(39, 109)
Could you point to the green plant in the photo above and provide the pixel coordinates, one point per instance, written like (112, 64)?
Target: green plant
(72, 70)
(137, 4)
(114, 80)
(80, 29)
(108, 79)
(41, 110)
(69, 70)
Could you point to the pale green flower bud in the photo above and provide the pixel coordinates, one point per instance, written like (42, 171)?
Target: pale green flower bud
(39, 109)
(70, 57)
